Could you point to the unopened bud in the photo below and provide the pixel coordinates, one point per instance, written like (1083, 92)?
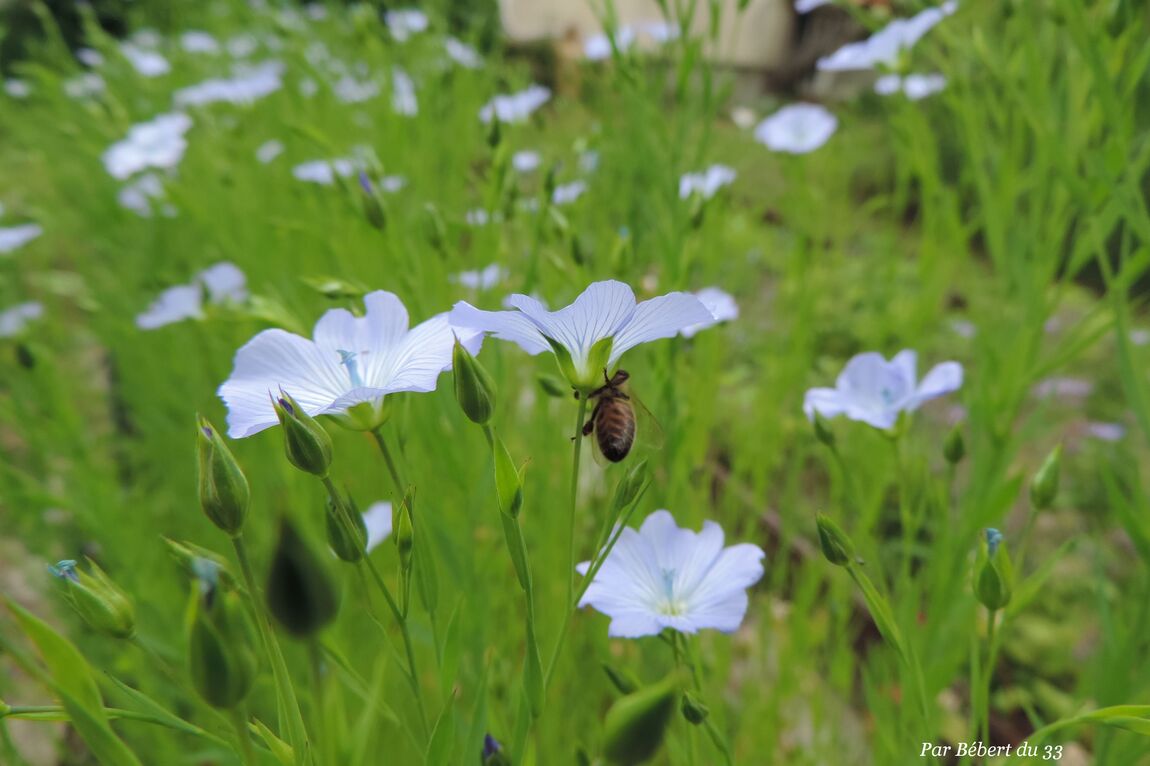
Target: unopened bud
(372, 204)
(434, 229)
(636, 724)
(629, 487)
(993, 573)
(474, 389)
(221, 646)
(191, 557)
(694, 709)
(307, 444)
(99, 601)
(301, 594)
(1045, 485)
(223, 488)
(622, 679)
(553, 386)
(954, 448)
(346, 530)
(823, 431)
(494, 132)
(837, 547)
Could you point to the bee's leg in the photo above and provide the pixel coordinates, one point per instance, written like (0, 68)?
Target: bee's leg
(589, 426)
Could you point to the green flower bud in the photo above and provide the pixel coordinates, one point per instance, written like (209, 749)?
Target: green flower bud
(346, 530)
(494, 133)
(553, 386)
(629, 487)
(224, 491)
(1045, 484)
(221, 647)
(694, 709)
(993, 573)
(954, 448)
(636, 724)
(474, 389)
(837, 547)
(301, 594)
(306, 443)
(622, 679)
(99, 601)
(405, 532)
(823, 431)
(372, 204)
(434, 229)
(191, 557)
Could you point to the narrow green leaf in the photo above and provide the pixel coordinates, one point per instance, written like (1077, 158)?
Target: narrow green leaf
(443, 738)
(280, 750)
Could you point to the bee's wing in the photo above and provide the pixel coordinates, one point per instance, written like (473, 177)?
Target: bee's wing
(648, 432)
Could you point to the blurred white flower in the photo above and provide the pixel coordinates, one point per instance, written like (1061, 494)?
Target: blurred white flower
(403, 100)
(515, 107)
(660, 31)
(525, 161)
(249, 84)
(90, 57)
(913, 86)
(17, 88)
(593, 332)
(316, 11)
(377, 519)
(589, 161)
(223, 282)
(197, 41)
(662, 576)
(325, 171)
(477, 217)
(350, 90)
(269, 150)
(598, 47)
(964, 328)
(721, 305)
(874, 391)
(565, 194)
(158, 143)
(84, 85)
(885, 45)
(350, 361)
(13, 237)
(142, 194)
(241, 46)
(405, 22)
(706, 183)
(797, 128)
(147, 63)
(1063, 388)
(14, 320)
(1107, 432)
(806, 6)
(1140, 337)
(462, 53)
(146, 38)
(483, 279)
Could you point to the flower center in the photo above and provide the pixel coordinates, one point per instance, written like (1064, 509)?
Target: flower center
(670, 604)
(348, 360)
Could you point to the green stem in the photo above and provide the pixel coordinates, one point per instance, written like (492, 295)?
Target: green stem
(991, 652)
(290, 716)
(59, 713)
(681, 665)
(400, 487)
(574, 498)
(396, 612)
(244, 736)
(324, 742)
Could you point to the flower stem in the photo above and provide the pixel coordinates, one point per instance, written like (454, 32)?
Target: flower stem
(240, 723)
(400, 487)
(366, 563)
(288, 705)
(59, 713)
(991, 652)
(574, 498)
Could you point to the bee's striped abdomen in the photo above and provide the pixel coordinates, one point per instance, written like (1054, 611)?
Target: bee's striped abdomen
(615, 427)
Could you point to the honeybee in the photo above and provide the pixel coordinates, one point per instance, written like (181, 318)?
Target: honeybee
(614, 419)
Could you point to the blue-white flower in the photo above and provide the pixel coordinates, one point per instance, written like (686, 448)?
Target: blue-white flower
(886, 45)
(481, 279)
(377, 519)
(158, 143)
(875, 391)
(14, 237)
(403, 23)
(592, 333)
(914, 86)
(346, 369)
(403, 98)
(223, 283)
(249, 84)
(515, 107)
(462, 53)
(198, 41)
(661, 576)
(13, 320)
(526, 160)
(147, 63)
(269, 150)
(598, 47)
(706, 183)
(797, 128)
(565, 194)
(721, 305)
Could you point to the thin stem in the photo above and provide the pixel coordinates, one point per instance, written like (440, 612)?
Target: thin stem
(288, 703)
(240, 723)
(574, 498)
(681, 664)
(315, 656)
(991, 651)
(397, 613)
(400, 487)
(59, 713)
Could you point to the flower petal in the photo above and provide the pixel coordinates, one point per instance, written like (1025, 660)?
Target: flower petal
(174, 305)
(424, 354)
(272, 360)
(600, 311)
(942, 379)
(514, 326)
(661, 317)
(828, 402)
(377, 519)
